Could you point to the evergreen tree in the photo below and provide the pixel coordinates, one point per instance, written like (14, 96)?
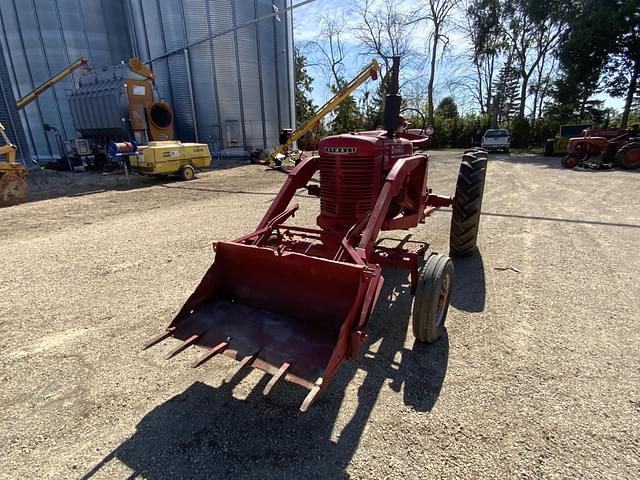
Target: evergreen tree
(347, 116)
(506, 100)
(305, 109)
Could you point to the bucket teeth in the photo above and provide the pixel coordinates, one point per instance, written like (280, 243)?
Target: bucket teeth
(159, 338)
(310, 398)
(278, 375)
(243, 363)
(210, 354)
(189, 341)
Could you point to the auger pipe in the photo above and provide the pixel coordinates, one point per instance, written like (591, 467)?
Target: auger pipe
(43, 87)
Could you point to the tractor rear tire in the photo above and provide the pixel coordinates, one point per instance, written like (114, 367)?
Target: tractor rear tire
(628, 157)
(433, 294)
(569, 161)
(467, 204)
(548, 148)
(13, 189)
(187, 172)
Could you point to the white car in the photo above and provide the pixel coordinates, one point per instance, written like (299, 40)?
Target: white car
(496, 139)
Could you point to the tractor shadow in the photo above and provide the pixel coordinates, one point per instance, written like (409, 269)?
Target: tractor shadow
(554, 162)
(469, 289)
(206, 432)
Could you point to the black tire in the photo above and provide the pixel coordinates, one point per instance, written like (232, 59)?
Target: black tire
(433, 295)
(623, 161)
(187, 172)
(467, 204)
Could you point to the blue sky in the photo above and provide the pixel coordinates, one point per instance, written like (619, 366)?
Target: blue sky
(306, 29)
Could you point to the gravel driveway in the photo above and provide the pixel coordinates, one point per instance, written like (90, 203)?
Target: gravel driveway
(538, 375)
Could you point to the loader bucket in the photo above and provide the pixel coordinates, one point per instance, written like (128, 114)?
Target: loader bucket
(291, 315)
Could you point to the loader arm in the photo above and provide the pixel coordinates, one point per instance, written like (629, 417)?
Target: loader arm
(43, 87)
(370, 71)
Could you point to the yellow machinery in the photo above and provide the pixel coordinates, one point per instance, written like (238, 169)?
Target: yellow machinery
(371, 72)
(13, 175)
(171, 158)
(33, 94)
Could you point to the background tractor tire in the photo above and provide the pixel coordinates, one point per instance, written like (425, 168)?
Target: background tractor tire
(187, 172)
(433, 294)
(548, 148)
(467, 204)
(570, 161)
(13, 189)
(628, 157)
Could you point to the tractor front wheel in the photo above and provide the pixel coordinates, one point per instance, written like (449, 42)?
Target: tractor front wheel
(13, 189)
(467, 204)
(432, 298)
(628, 157)
(570, 161)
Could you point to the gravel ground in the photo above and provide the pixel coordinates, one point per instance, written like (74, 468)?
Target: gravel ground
(538, 375)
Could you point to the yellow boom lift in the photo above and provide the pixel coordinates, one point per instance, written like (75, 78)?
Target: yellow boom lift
(370, 72)
(13, 183)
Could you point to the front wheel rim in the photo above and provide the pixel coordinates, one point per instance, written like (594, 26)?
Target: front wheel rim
(442, 300)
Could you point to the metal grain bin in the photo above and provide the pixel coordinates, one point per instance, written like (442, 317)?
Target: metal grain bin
(234, 91)
(9, 116)
(40, 38)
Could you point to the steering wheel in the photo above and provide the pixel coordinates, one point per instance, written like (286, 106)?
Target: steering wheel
(423, 129)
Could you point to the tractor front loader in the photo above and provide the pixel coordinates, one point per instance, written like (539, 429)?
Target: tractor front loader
(13, 175)
(295, 302)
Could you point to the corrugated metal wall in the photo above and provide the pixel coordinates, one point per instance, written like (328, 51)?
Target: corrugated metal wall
(9, 116)
(41, 37)
(234, 91)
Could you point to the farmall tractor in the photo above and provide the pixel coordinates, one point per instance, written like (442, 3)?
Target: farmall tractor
(295, 302)
(604, 148)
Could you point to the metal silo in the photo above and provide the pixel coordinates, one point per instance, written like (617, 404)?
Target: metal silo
(40, 38)
(234, 91)
(9, 116)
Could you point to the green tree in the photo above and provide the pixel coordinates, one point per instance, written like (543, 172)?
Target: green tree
(447, 122)
(304, 105)
(348, 117)
(600, 47)
(623, 68)
(506, 100)
(305, 109)
(447, 108)
(485, 33)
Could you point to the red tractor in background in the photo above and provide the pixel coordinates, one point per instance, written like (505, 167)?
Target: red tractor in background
(604, 148)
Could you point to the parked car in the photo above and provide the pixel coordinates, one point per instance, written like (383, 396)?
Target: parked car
(496, 139)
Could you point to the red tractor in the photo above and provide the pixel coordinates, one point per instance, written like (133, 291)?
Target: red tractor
(604, 148)
(295, 301)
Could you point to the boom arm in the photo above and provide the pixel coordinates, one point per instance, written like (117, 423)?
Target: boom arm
(370, 72)
(33, 94)
(8, 149)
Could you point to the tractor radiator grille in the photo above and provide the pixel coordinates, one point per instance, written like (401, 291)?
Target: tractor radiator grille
(348, 186)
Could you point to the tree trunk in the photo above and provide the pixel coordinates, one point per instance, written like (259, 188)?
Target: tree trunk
(490, 84)
(480, 93)
(523, 94)
(633, 87)
(434, 52)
